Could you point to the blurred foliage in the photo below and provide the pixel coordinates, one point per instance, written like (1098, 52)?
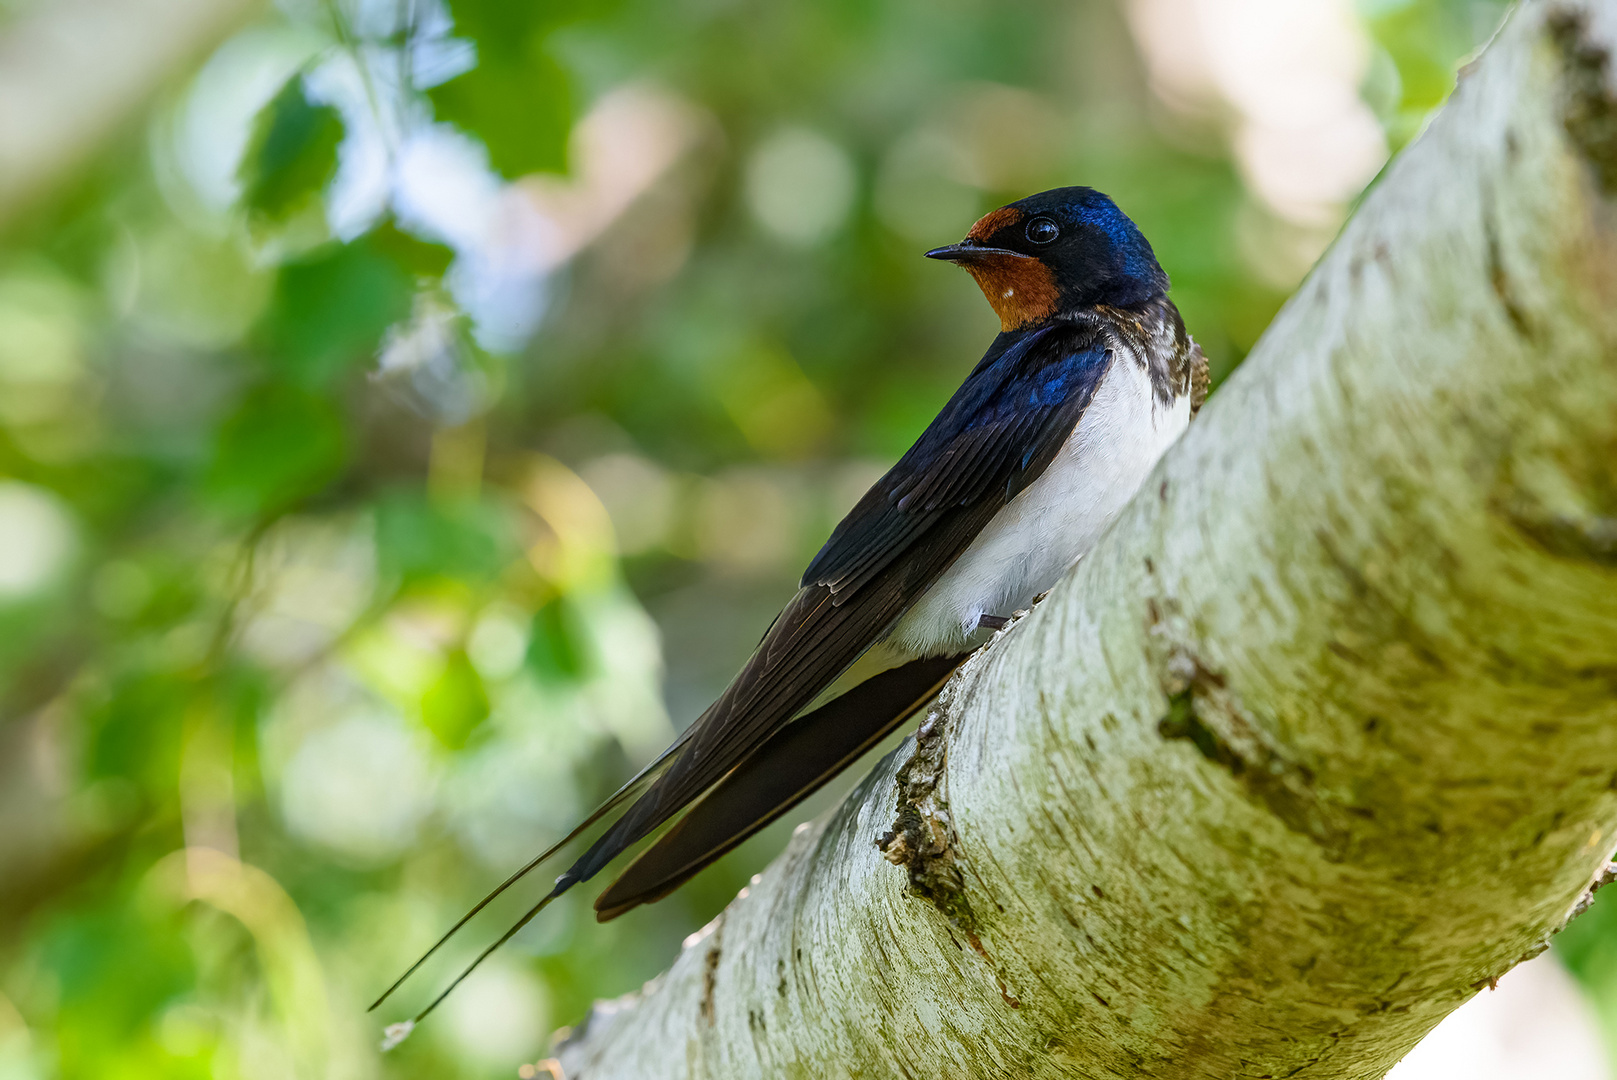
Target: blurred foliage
(419, 417)
(291, 155)
(519, 99)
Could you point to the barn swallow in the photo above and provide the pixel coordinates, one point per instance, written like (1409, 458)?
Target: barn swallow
(1090, 379)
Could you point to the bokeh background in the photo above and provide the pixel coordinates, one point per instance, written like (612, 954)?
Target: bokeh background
(411, 412)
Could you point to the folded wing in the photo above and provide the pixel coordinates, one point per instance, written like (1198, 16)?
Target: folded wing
(994, 437)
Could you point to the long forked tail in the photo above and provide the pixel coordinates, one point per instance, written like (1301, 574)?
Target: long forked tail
(633, 787)
(787, 768)
(790, 766)
(561, 886)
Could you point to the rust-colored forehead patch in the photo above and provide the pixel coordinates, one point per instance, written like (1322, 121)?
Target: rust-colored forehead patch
(991, 223)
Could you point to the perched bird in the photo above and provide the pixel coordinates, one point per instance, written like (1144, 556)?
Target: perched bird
(1090, 379)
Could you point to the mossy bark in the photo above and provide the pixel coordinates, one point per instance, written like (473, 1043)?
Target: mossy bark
(1323, 736)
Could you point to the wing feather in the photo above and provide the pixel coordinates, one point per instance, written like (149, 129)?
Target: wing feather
(994, 437)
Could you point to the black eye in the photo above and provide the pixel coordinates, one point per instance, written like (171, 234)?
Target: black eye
(1041, 230)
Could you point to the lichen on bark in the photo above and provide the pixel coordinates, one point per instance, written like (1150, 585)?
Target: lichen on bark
(922, 840)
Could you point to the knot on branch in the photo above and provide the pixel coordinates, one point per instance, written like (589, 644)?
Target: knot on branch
(922, 839)
(1204, 711)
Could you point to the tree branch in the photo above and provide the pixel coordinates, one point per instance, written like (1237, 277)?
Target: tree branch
(1320, 738)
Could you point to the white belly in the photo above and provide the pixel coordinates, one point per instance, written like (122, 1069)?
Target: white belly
(1035, 539)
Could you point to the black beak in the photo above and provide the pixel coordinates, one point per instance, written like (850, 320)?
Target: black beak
(968, 250)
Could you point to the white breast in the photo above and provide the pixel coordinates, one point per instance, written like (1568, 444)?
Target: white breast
(1031, 543)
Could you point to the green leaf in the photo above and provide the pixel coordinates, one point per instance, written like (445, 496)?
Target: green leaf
(330, 310)
(559, 645)
(281, 445)
(135, 734)
(114, 967)
(291, 155)
(522, 110)
(454, 705)
(420, 257)
(417, 539)
(518, 100)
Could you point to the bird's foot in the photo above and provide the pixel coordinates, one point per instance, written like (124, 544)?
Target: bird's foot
(993, 622)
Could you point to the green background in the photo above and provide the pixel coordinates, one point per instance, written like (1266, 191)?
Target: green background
(314, 647)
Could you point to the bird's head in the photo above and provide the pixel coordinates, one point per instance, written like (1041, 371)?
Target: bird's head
(1057, 251)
